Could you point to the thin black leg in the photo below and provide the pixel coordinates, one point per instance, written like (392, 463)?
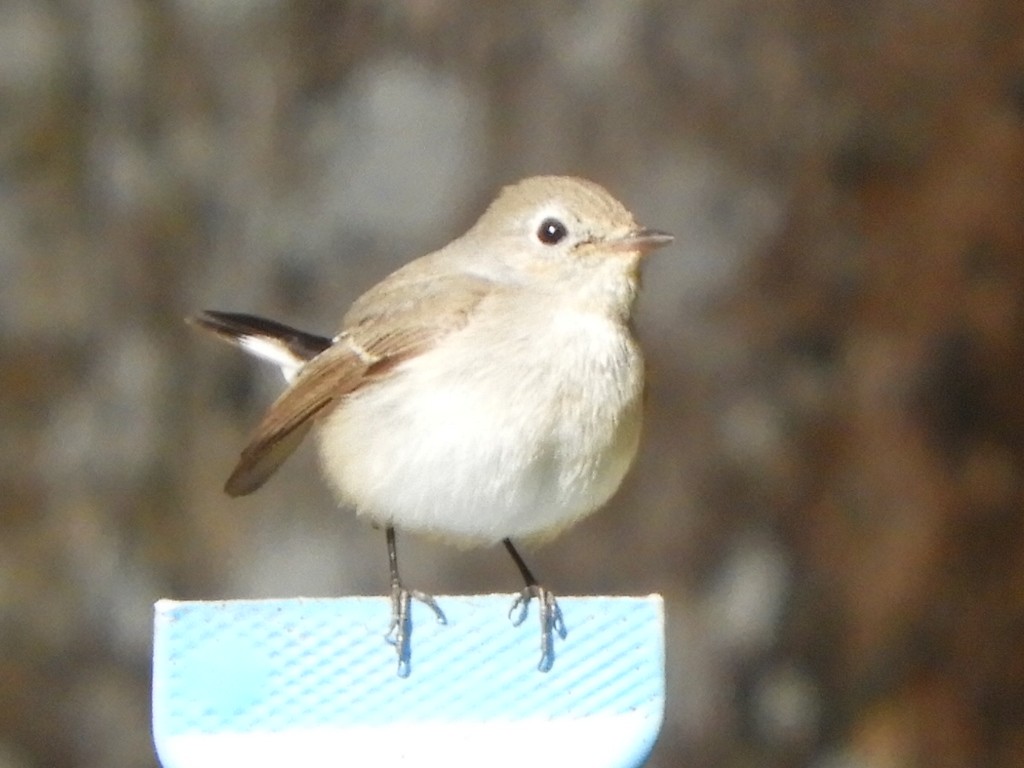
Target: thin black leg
(399, 633)
(551, 622)
(524, 569)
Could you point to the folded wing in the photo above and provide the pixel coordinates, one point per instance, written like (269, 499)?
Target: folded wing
(416, 314)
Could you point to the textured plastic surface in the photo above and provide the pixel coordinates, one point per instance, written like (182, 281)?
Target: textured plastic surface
(311, 682)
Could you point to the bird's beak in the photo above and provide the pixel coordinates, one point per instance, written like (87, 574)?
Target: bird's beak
(642, 240)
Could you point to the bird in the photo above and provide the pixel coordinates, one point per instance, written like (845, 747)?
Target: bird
(487, 392)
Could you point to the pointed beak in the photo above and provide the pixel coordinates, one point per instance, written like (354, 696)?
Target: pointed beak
(642, 240)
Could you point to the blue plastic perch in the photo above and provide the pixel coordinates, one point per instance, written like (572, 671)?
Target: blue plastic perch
(311, 682)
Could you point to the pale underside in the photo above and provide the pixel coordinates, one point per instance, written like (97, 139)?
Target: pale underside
(482, 442)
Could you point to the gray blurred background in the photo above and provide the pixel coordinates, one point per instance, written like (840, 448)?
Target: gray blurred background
(829, 491)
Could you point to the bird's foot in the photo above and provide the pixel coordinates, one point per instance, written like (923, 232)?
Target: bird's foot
(399, 633)
(551, 622)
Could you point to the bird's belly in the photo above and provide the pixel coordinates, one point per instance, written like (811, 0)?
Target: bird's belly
(485, 453)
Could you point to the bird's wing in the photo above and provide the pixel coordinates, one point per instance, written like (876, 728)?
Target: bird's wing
(416, 315)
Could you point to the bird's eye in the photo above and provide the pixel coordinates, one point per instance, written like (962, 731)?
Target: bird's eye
(551, 231)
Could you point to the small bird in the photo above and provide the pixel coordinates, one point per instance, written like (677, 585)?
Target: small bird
(486, 392)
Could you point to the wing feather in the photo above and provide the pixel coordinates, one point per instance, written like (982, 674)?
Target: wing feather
(381, 334)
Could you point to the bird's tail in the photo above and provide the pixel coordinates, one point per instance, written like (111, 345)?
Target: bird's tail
(280, 344)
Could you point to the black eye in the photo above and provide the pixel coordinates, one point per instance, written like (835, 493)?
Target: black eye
(551, 231)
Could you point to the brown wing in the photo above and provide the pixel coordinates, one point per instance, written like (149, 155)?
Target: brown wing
(332, 373)
(410, 318)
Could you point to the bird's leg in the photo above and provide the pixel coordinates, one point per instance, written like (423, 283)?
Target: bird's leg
(550, 614)
(399, 634)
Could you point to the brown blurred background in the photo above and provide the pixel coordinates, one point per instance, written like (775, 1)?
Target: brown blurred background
(829, 493)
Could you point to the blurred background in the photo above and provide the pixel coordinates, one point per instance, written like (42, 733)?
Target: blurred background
(829, 491)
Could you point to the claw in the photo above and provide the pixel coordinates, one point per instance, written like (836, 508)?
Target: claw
(522, 602)
(551, 621)
(399, 632)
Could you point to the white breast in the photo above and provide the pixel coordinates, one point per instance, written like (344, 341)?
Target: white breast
(492, 434)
